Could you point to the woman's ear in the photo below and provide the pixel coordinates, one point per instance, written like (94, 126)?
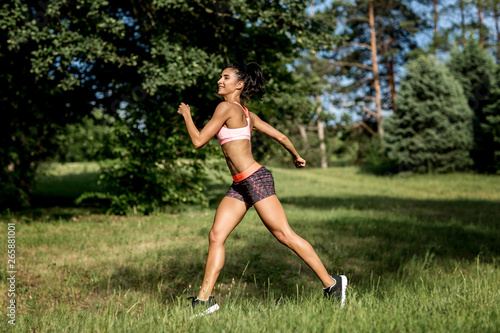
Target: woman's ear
(240, 85)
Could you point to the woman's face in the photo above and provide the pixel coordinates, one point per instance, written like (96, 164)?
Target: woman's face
(228, 82)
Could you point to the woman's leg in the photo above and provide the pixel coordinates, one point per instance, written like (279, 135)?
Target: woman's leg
(229, 213)
(273, 216)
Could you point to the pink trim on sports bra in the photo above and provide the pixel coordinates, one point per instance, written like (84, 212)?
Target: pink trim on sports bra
(226, 135)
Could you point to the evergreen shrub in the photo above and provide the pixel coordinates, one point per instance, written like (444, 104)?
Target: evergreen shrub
(432, 129)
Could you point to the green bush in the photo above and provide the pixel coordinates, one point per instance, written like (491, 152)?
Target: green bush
(376, 160)
(153, 165)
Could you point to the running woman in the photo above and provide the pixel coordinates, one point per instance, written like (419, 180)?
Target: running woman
(253, 184)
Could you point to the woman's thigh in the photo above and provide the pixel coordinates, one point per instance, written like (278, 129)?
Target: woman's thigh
(273, 216)
(229, 214)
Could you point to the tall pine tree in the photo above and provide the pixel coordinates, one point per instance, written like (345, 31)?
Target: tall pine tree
(432, 130)
(475, 69)
(492, 125)
(380, 34)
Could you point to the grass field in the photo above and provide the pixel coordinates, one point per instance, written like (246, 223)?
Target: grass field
(421, 253)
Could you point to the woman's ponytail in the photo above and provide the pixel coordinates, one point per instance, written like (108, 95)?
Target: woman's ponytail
(252, 76)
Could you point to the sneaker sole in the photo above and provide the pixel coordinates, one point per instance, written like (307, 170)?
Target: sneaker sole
(344, 287)
(210, 310)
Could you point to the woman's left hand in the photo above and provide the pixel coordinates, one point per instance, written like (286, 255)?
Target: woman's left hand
(184, 109)
(299, 162)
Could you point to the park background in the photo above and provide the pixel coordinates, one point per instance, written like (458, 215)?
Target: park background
(394, 104)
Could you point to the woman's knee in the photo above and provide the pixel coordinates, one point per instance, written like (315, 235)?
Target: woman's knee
(285, 237)
(216, 237)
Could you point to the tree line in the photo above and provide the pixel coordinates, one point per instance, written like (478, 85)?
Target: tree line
(101, 80)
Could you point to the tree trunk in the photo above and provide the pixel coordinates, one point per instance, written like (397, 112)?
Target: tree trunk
(303, 132)
(435, 42)
(376, 82)
(480, 22)
(495, 15)
(391, 81)
(321, 134)
(462, 12)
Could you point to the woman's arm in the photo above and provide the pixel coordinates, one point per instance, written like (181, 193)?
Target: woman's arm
(266, 129)
(199, 139)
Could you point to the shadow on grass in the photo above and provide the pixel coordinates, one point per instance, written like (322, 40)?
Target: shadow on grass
(360, 246)
(182, 274)
(400, 230)
(55, 213)
(454, 228)
(476, 212)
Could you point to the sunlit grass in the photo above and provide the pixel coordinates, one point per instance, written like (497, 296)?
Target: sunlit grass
(421, 253)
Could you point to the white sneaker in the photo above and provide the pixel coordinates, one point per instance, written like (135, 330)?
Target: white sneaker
(203, 307)
(337, 291)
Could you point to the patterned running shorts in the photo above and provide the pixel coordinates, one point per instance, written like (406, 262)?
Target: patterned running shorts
(256, 187)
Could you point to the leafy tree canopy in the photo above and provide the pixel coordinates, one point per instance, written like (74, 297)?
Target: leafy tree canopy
(135, 61)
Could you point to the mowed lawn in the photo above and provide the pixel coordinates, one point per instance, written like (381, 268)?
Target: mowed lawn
(421, 253)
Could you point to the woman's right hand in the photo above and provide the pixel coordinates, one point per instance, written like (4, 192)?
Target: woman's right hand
(184, 109)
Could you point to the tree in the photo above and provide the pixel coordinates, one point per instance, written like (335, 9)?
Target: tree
(494, 7)
(310, 76)
(476, 69)
(432, 130)
(462, 4)
(492, 125)
(481, 29)
(372, 47)
(313, 71)
(34, 107)
(435, 19)
(376, 82)
(91, 139)
(135, 61)
(380, 34)
(440, 40)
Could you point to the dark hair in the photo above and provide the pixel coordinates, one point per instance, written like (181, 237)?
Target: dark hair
(252, 76)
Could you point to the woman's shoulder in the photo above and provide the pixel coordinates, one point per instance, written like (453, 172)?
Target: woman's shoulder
(227, 104)
(226, 107)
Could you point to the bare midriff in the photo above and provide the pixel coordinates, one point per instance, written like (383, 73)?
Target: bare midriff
(238, 155)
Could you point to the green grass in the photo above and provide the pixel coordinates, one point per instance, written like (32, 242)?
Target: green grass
(421, 252)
